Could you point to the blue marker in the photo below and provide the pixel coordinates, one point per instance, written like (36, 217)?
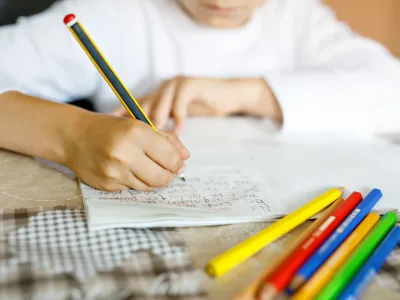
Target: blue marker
(335, 240)
(372, 266)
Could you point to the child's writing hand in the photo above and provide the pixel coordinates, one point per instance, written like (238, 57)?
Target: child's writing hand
(112, 154)
(183, 96)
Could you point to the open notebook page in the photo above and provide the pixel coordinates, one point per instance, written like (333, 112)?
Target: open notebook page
(293, 172)
(220, 188)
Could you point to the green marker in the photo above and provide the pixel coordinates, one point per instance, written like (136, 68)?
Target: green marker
(360, 255)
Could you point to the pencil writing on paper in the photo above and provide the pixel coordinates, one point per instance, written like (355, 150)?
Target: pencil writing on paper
(217, 188)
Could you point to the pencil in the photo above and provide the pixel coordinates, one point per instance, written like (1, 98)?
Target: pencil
(250, 291)
(108, 73)
(317, 282)
(335, 240)
(347, 271)
(234, 256)
(371, 267)
(280, 278)
(105, 69)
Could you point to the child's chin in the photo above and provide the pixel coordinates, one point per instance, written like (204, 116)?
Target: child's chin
(218, 22)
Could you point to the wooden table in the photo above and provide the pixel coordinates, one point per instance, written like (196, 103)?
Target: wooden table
(28, 182)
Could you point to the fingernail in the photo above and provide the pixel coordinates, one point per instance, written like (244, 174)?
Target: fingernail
(178, 129)
(181, 170)
(188, 154)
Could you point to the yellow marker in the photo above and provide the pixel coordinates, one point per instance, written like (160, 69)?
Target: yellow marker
(234, 256)
(318, 281)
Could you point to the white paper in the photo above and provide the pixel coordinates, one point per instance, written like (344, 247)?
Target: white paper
(220, 188)
(215, 182)
(299, 168)
(298, 172)
(241, 170)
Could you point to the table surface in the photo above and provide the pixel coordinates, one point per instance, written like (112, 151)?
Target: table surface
(29, 182)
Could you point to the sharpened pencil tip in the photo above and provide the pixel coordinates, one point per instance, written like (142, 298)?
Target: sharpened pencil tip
(342, 189)
(182, 177)
(268, 293)
(297, 282)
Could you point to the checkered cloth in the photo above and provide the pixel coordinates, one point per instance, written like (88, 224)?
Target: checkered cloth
(53, 256)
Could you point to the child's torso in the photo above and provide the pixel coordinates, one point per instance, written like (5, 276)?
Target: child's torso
(175, 45)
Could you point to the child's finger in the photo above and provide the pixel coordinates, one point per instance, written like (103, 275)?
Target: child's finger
(153, 174)
(199, 109)
(131, 181)
(185, 154)
(146, 105)
(180, 108)
(157, 149)
(119, 112)
(162, 104)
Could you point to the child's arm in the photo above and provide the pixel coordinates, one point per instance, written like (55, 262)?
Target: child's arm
(339, 82)
(40, 56)
(183, 96)
(342, 83)
(36, 127)
(106, 152)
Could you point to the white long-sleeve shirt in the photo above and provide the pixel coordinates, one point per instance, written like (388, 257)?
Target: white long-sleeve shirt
(325, 77)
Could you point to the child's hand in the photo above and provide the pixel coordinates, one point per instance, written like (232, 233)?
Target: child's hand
(113, 153)
(183, 96)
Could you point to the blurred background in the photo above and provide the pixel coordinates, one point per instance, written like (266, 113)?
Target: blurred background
(10, 10)
(376, 19)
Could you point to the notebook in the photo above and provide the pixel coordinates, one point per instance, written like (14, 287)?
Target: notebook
(219, 188)
(242, 170)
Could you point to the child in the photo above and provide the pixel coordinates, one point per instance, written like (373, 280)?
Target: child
(288, 60)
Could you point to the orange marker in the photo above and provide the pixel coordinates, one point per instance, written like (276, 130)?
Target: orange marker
(282, 276)
(317, 282)
(250, 292)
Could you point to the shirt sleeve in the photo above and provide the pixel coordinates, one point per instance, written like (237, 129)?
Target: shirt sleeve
(40, 57)
(341, 82)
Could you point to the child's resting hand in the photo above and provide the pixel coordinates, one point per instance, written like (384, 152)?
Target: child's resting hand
(183, 96)
(111, 153)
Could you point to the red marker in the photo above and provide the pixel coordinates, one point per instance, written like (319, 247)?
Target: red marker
(281, 277)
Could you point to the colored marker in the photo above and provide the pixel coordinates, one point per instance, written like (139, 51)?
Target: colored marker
(336, 239)
(234, 256)
(360, 255)
(250, 291)
(281, 277)
(319, 280)
(371, 267)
